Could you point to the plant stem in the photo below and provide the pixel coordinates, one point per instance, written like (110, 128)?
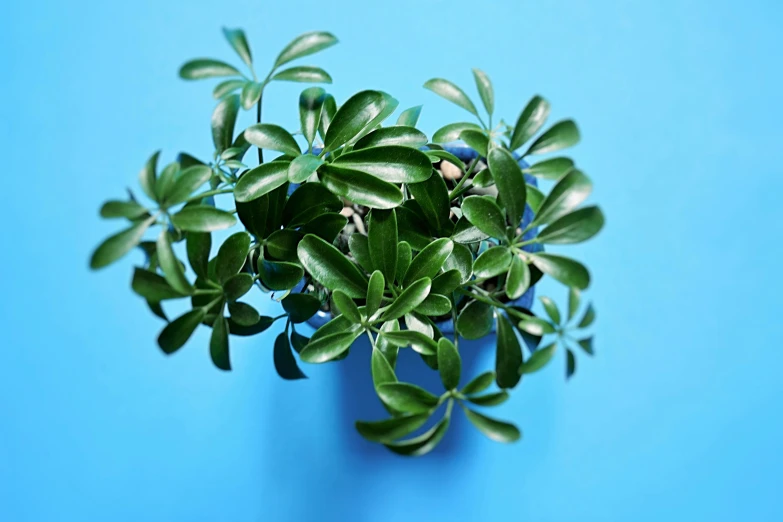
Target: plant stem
(456, 192)
(211, 193)
(491, 302)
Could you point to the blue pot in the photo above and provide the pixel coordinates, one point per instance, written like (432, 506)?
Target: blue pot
(466, 154)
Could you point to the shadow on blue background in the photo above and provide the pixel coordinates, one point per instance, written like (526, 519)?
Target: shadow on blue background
(674, 419)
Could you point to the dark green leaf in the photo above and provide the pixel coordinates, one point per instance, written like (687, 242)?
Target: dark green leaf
(263, 324)
(485, 215)
(550, 169)
(573, 302)
(392, 163)
(538, 360)
(177, 332)
(492, 428)
(475, 320)
(157, 309)
(281, 244)
(374, 293)
(261, 180)
(122, 209)
(408, 300)
(509, 354)
(389, 350)
(243, 314)
(588, 318)
(484, 86)
(566, 270)
(186, 184)
(237, 285)
(412, 226)
(223, 120)
(451, 92)
(199, 246)
(479, 383)
(326, 226)
(510, 183)
(277, 200)
(435, 305)
(551, 309)
(429, 261)
(218, 344)
(227, 87)
(518, 279)
(310, 103)
(346, 306)
(465, 232)
(285, 363)
(452, 131)
(422, 444)
(382, 241)
(409, 117)
(360, 250)
(476, 140)
(116, 246)
(279, 275)
(490, 399)
(172, 268)
(398, 135)
(449, 364)
(461, 259)
(352, 117)
(531, 119)
(238, 41)
(390, 429)
(438, 155)
(382, 371)
(580, 225)
(330, 267)
(570, 364)
(420, 342)
(253, 215)
(202, 218)
(305, 45)
(300, 307)
(566, 195)
(299, 341)
(433, 196)
(561, 135)
(446, 282)
(166, 180)
(328, 111)
(206, 68)
(272, 137)
(328, 347)
(536, 326)
(492, 262)
(251, 94)
(389, 105)
(152, 286)
(148, 175)
(404, 257)
(303, 74)
(231, 256)
(360, 188)
(407, 398)
(309, 201)
(586, 344)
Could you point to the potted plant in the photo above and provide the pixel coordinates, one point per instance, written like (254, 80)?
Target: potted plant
(370, 229)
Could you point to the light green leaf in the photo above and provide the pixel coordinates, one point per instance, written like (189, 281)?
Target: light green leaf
(553, 168)
(461, 259)
(166, 180)
(466, 233)
(202, 218)
(586, 344)
(531, 119)
(534, 198)
(374, 293)
(588, 318)
(539, 359)
(172, 269)
(422, 444)
(434, 305)
(305, 45)
(251, 94)
(359, 246)
(561, 135)
(328, 111)
(479, 383)
(551, 309)
(360, 188)
(573, 302)
(446, 282)
(302, 167)
(122, 209)
(536, 326)
(476, 140)
(303, 74)
(346, 306)
(206, 68)
(382, 371)
(227, 87)
(330, 267)
(310, 105)
(236, 38)
(261, 180)
(409, 117)
(404, 257)
(188, 181)
(390, 429)
(148, 176)
(484, 86)
(492, 428)
(451, 92)
(452, 131)
(490, 399)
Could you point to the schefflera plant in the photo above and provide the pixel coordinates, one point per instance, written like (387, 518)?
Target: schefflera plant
(430, 238)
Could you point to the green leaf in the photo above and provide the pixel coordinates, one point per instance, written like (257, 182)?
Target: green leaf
(412, 226)
(186, 184)
(446, 282)
(389, 106)
(570, 363)
(538, 360)
(206, 68)
(231, 256)
(326, 226)
(534, 198)
(398, 135)
(251, 94)
(236, 38)
(408, 299)
(359, 247)
(390, 429)
(328, 347)
(152, 286)
(300, 307)
(352, 117)
(536, 326)
(483, 179)
(223, 120)
(382, 371)
(263, 324)
(147, 176)
(305, 45)
(303, 74)
(433, 197)
(116, 246)
(382, 241)
(227, 87)
(508, 356)
(392, 163)
(261, 180)
(202, 218)
(429, 261)
(518, 279)
(588, 318)
(475, 320)
(218, 344)
(452, 131)
(346, 306)
(279, 275)
(492, 428)
(407, 398)
(551, 309)
(566, 270)
(374, 293)
(272, 137)
(422, 444)
(277, 200)
(461, 259)
(476, 140)
(166, 180)
(479, 383)
(299, 341)
(586, 344)
(438, 155)
(580, 225)
(510, 183)
(389, 350)
(490, 399)
(243, 314)
(449, 364)
(172, 269)
(484, 86)
(404, 257)
(253, 215)
(237, 285)
(566, 195)
(328, 111)
(434, 305)
(451, 92)
(122, 209)
(573, 302)
(330, 267)
(420, 342)
(309, 201)
(561, 135)
(177, 332)
(360, 188)
(310, 105)
(281, 244)
(285, 363)
(493, 262)
(409, 117)
(531, 119)
(485, 215)
(550, 169)
(466, 233)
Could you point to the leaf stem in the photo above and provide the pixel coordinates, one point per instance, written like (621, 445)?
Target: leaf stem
(456, 192)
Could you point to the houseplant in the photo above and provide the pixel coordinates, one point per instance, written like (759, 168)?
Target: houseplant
(378, 225)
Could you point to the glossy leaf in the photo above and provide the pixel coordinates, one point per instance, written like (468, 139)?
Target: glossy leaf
(389, 350)
(206, 68)
(451, 92)
(408, 299)
(281, 244)
(231, 256)
(561, 135)
(553, 168)
(172, 269)
(227, 87)
(326, 226)
(310, 103)
(253, 215)
(352, 117)
(508, 356)
(218, 344)
(300, 307)
(518, 278)
(476, 140)
(237, 285)
(407, 398)
(490, 399)
(484, 86)
(449, 364)
(492, 262)
(467, 233)
(243, 314)
(538, 360)
(285, 363)
(116, 246)
(330, 267)
(398, 135)
(429, 261)
(328, 347)
(382, 371)
(566, 195)
(580, 225)
(305, 45)
(588, 318)
(551, 309)
(494, 429)
(536, 326)
(452, 131)
(479, 383)
(328, 111)
(279, 275)
(485, 215)
(272, 137)
(422, 444)
(434, 305)
(224, 119)
(360, 188)
(392, 163)
(236, 38)
(359, 247)
(564, 269)
(261, 180)
(390, 429)
(303, 74)
(420, 342)
(374, 293)
(309, 201)
(153, 286)
(382, 241)
(446, 282)
(188, 181)
(404, 257)
(202, 218)
(530, 121)
(409, 117)
(461, 259)
(346, 306)
(433, 197)
(510, 183)
(177, 332)
(475, 320)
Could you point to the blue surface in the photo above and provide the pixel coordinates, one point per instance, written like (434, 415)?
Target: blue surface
(674, 419)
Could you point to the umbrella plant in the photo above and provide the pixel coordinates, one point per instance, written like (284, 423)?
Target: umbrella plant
(368, 218)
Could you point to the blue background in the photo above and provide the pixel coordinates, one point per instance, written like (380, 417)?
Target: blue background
(676, 418)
